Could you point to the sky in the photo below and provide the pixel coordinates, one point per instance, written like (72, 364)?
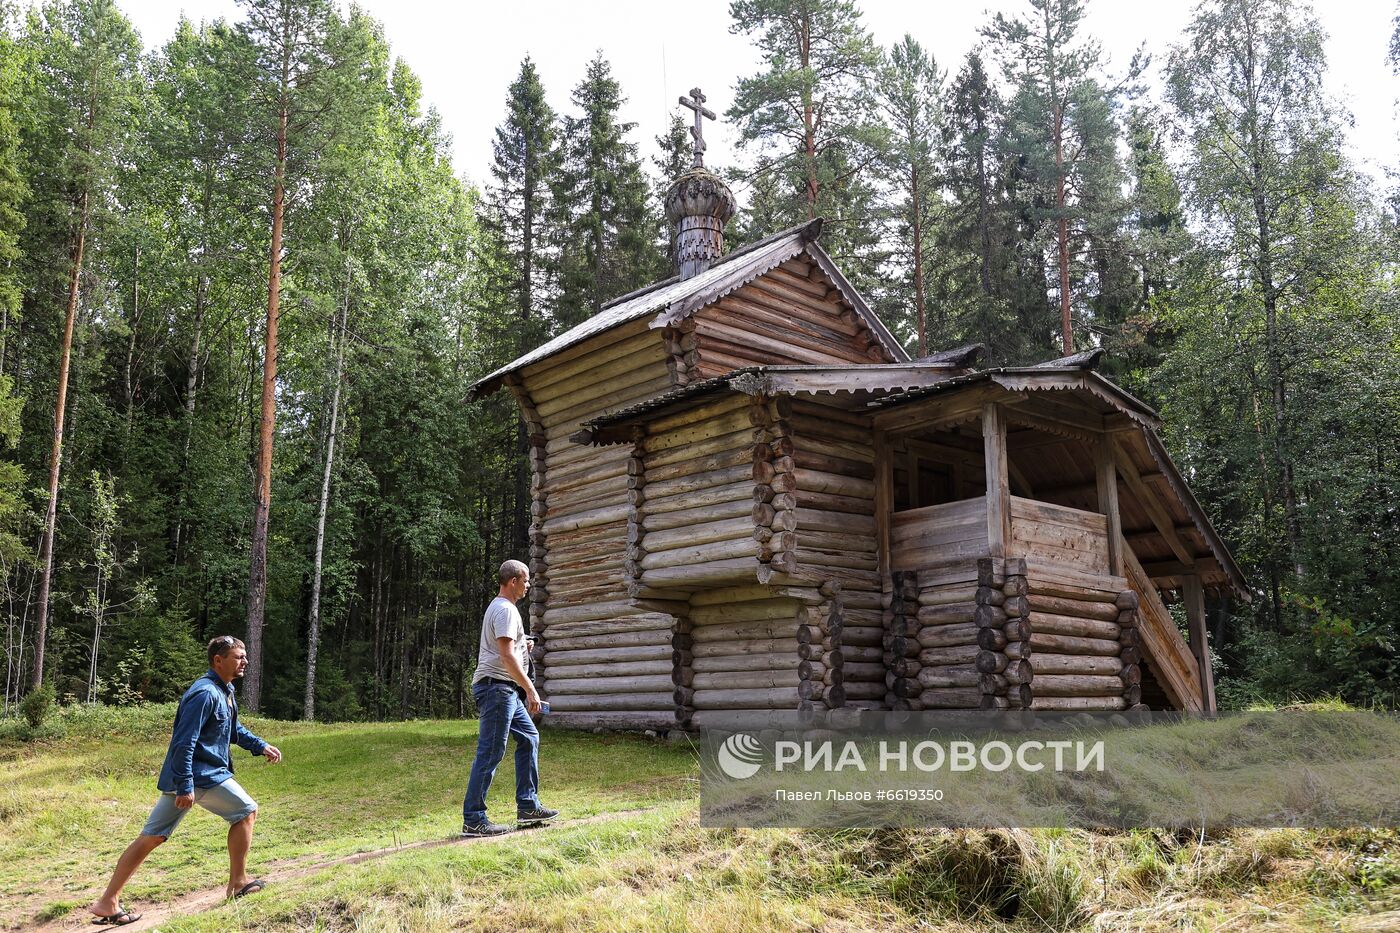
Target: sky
(467, 53)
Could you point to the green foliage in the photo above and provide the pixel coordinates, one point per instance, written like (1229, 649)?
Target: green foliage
(526, 160)
(36, 706)
(13, 187)
(1271, 352)
(810, 120)
(601, 197)
(911, 98)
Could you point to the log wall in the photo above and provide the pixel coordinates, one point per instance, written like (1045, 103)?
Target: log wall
(754, 649)
(1059, 535)
(601, 659)
(834, 540)
(691, 495)
(792, 314)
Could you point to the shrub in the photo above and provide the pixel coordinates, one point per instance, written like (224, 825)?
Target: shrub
(37, 706)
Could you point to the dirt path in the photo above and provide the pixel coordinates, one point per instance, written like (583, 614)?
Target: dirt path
(152, 915)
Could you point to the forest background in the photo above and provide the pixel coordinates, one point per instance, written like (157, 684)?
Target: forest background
(243, 294)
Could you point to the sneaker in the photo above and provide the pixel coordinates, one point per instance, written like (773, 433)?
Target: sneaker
(485, 828)
(537, 815)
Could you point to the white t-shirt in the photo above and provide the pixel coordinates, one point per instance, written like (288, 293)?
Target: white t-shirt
(502, 620)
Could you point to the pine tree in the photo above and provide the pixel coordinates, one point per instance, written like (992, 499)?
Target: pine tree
(1060, 127)
(810, 119)
(297, 77)
(86, 56)
(605, 221)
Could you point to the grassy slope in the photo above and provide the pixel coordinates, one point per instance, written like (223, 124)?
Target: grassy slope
(345, 788)
(67, 809)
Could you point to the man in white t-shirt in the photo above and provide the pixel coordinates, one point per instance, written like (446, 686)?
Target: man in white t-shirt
(505, 701)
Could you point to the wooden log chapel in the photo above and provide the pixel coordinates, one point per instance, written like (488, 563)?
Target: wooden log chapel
(748, 497)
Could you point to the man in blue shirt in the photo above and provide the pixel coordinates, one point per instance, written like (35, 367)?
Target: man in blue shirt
(198, 769)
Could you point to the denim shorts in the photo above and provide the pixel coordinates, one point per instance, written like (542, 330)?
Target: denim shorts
(228, 800)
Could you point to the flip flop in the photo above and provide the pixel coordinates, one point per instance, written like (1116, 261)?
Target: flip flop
(252, 887)
(119, 919)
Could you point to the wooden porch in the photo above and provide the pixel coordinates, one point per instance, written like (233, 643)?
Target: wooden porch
(1008, 600)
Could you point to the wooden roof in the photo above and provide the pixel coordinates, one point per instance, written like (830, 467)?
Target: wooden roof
(672, 299)
(861, 382)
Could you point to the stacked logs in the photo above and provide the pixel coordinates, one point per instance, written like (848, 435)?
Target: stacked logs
(820, 671)
(834, 494)
(791, 314)
(681, 350)
(603, 662)
(1003, 635)
(945, 634)
(774, 514)
(862, 647)
(1129, 649)
(599, 662)
(901, 644)
(833, 506)
(690, 501)
(539, 552)
(744, 646)
(1082, 646)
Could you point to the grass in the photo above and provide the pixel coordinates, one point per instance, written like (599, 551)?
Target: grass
(68, 806)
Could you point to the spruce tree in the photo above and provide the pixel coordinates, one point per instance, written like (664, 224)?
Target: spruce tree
(672, 161)
(605, 220)
(911, 91)
(976, 237)
(525, 161)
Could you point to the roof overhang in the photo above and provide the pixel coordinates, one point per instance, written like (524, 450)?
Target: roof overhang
(858, 381)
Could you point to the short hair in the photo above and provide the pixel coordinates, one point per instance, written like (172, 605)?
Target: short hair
(222, 645)
(510, 570)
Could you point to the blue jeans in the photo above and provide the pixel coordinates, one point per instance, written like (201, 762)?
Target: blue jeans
(502, 714)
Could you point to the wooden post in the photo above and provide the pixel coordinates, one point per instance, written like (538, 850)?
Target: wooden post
(998, 493)
(884, 508)
(1107, 474)
(1194, 595)
(914, 502)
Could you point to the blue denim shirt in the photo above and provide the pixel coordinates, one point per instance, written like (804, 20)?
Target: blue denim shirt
(205, 723)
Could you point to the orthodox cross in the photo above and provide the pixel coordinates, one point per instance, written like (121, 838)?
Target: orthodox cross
(696, 102)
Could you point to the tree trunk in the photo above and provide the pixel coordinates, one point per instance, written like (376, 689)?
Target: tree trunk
(1278, 395)
(201, 300)
(129, 380)
(41, 622)
(809, 135)
(1062, 231)
(262, 494)
(314, 629)
(920, 307)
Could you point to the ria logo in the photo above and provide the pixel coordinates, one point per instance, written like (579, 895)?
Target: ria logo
(740, 756)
